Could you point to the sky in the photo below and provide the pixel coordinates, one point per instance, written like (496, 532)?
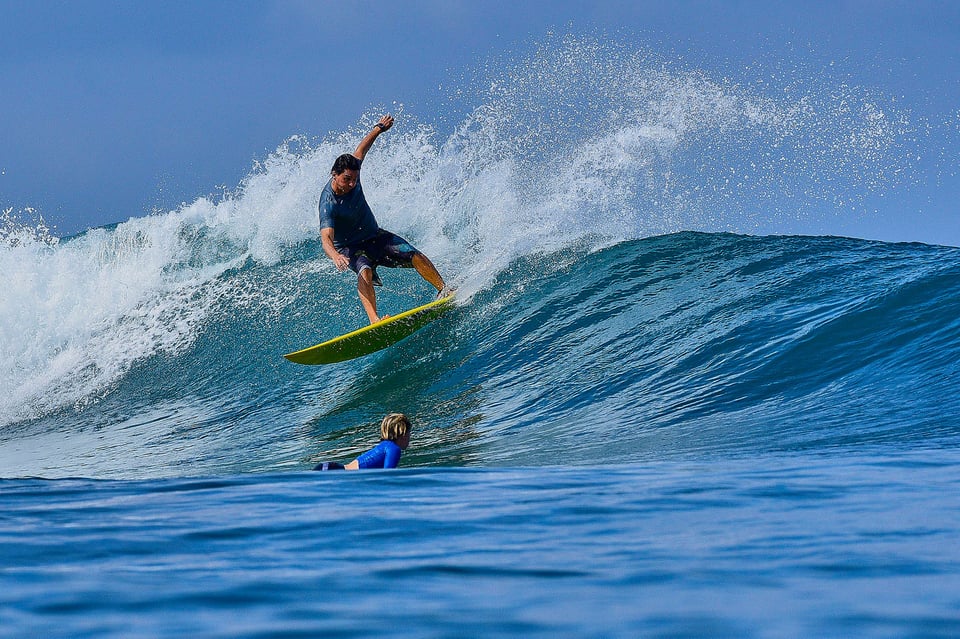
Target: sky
(112, 109)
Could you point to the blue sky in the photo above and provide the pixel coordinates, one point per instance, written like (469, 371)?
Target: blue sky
(113, 108)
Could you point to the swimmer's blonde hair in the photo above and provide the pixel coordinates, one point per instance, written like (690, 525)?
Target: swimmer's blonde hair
(394, 426)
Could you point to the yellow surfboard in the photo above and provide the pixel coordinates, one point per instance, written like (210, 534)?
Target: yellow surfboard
(374, 337)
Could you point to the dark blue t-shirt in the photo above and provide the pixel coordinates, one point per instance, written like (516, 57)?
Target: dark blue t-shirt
(386, 454)
(349, 216)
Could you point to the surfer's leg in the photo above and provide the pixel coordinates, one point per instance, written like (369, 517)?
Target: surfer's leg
(396, 252)
(362, 264)
(428, 271)
(368, 296)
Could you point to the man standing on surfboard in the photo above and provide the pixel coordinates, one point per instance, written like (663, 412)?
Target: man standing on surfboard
(351, 236)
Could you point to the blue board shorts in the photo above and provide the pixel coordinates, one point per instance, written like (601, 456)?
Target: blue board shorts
(385, 249)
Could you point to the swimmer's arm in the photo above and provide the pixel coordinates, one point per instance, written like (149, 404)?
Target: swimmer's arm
(392, 459)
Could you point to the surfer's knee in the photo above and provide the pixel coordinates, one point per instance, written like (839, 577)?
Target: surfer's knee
(418, 260)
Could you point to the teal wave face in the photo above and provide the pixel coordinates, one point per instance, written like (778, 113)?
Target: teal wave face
(684, 345)
(697, 344)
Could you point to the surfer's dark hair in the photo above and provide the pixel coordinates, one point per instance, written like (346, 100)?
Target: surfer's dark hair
(346, 162)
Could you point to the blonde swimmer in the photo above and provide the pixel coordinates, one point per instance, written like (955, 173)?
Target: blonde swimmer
(394, 439)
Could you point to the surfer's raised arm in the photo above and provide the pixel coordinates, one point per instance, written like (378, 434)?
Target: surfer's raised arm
(383, 125)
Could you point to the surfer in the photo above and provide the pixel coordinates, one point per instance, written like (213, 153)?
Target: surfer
(394, 439)
(351, 236)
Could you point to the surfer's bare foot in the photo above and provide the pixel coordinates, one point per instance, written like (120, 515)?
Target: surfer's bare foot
(446, 291)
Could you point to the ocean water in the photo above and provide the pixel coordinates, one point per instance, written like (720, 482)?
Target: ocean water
(659, 409)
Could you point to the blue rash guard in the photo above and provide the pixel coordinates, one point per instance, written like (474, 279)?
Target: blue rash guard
(349, 216)
(386, 454)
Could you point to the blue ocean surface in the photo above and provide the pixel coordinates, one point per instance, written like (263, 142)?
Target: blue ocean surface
(787, 545)
(657, 410)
